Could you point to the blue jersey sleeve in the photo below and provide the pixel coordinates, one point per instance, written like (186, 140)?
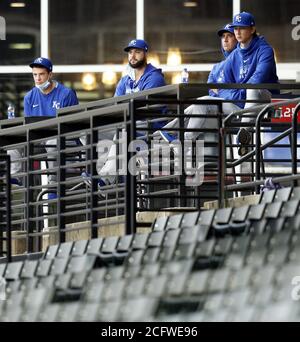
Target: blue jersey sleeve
(71, 99)
(212, 79)
(27, 107)
(154, 80)
(121, 89)
(264, 67)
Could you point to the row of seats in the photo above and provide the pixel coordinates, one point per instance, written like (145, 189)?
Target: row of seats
(202, 293)
(208, 265)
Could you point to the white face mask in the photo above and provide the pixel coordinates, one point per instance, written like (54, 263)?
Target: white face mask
(42, 87)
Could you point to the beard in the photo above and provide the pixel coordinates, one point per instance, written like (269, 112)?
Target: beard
(138, 64)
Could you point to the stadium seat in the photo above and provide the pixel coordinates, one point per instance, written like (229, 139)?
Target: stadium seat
(176, 285)
(81, 263)
(151, 255)
(79, 247)
(58, 266)
(267, 196)
(160, 223)
(156, 239)
(238, 252)
(295, 193)
(155, 286)
(150, 270)
(2, 269)
(47, 282)
(78, 280)
(13, 270)
(49, 313)
(177, 267)
(290, 208)
(197, 283)
(283, 195)
(109, 244)
(114, 273)
(273, 210)
(174, 221)
(51, 252)
(135, 287)
(190, 219)
(206, 217)
(29, 269)
(292, 222)
(113, 290)
(124, 243)
(109, 311)
(64, 249)
(87, 313)
(218, 281)
(184, 251)
(94, 246)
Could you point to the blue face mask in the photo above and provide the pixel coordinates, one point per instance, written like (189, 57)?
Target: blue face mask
(42, 87)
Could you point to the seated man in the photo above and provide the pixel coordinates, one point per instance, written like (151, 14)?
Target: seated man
(141, 76)
(251, 62)
(44, 99)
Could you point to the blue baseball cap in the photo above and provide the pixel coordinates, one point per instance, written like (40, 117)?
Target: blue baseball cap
(226, 28)
(243, 19)
(137, 44)
(42, 62)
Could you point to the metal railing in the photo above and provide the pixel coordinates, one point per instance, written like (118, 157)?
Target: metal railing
(5, 208)
(86, 206)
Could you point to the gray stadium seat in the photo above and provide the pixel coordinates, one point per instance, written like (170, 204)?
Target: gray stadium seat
(140, 241)
(160, 223)
(51, 252)
(64, 249)
(29, 269)
(174, 221)
(190, 219)
(13, 270)
(109, 244)
(94, 246)
(79, 247)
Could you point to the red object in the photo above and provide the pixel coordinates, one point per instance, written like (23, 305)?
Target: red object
(284, 113)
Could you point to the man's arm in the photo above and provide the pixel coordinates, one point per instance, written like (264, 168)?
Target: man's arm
(27, 107)
(154, 81)
(212, 79)
(71, 99)
(265, 67)
(120, 90)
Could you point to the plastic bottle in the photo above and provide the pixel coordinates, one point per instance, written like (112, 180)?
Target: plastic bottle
(11, 111)
(184, 76)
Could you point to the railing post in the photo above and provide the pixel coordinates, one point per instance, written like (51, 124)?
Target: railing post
(222, 158)
(130, 188)
(61, 188)
(294, 140)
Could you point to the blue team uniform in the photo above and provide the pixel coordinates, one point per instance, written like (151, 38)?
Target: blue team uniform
(151, 78)
(38, 104)
(254, 64)
(217, 76)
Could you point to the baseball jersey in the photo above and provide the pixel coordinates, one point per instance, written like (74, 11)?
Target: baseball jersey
(38, 104)
(254, 64)
(151, 78)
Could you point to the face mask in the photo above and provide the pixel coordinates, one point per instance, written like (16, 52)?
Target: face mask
(43, 86)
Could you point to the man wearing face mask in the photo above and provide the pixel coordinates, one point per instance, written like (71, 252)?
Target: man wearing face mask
(48, 95)
(43, 100)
